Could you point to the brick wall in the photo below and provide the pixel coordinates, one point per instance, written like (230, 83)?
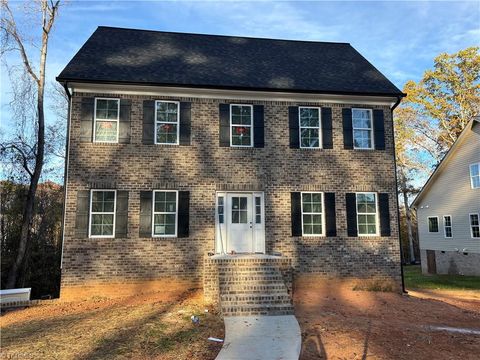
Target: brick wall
(204, 168)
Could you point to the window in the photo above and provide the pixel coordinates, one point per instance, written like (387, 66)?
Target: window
(447, 225)
(312, 214)
(367, 213)
(165, 213)
(241, 125)
(220, 209)
(475, 175)
(167, 122)
(362, 128)
(310, 129)
(474, 226)
(102, 213)
(239, 210)
(107, 113)
(258, 210)
(432, 224)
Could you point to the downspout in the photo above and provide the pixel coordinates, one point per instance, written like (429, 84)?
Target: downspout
(399, 98)
(67, 143)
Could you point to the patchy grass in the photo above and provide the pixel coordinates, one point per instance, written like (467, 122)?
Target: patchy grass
(155, 325)
(414, 279)
(376, 285)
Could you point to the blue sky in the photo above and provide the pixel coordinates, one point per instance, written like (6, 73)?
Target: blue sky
(400, 38)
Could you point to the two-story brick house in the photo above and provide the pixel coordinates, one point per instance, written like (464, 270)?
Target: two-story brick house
(181, 145)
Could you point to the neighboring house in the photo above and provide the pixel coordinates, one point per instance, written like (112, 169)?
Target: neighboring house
(181, 145)
(448, 209)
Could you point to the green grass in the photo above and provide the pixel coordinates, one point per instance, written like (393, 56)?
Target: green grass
(414, 279)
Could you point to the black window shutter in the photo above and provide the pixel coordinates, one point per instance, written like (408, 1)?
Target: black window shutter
(379, 129)
(121, 214)
(351, 203)
(347, 128)
(183, 222)
(294, 127)
(384, 214)
(86, 119)
(185, 123)
(258, 126)
(224, 110)
(148, 122)
(327, 136)
(146, 214)
(296, 214)
(82, 215)
(330, 216)
(124, 125)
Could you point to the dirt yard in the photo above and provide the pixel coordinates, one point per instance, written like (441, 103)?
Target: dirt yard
(339, 323)
(155, 324)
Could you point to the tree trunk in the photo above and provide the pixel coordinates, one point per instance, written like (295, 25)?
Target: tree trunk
(408, 217)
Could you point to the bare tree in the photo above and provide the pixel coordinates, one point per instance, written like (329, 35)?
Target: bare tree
(31, 154)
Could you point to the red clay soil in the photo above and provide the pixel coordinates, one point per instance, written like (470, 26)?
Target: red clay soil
(339, 323)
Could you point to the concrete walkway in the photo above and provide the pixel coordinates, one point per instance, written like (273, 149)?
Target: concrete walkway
(261, 338)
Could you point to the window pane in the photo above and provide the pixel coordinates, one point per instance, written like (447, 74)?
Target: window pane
(167, 112)
(308, 229)
(448, 221)
(432, 224)
(106, 130)
(310, 137)
(243, 217)
(448, 232)
(309, 117)
(235, 217)
(166, 133)
(474, 219)
(371, 229)
(362, 139)
(241, 135)
(165, 202)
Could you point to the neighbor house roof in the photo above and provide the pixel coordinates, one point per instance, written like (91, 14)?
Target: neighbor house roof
(450, 153)
(130, 56)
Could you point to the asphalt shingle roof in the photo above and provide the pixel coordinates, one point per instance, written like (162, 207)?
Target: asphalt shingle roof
(118, 55)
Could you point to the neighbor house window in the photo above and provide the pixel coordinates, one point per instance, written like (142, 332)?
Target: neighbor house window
(107, 112)
(102, 213)
(167, 122)
(165, 213)
(309, 121)
(367, 213)
(474, 226)
(447, 226)
(241, 125)
(432, 224)
(362, 128)
(312, 213)
(475, 175)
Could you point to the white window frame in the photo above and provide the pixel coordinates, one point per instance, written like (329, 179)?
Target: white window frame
(95, 120)
(300, 127)
(445, 227)
(313, 213)
(370, 129)
(91, 213)
(428, 225)
(377, 224)
(162, 212)
(167, 122)
(471, 226)
(241, 125)
(472, 176)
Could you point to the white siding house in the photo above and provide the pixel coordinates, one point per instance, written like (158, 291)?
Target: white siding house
(448, 209)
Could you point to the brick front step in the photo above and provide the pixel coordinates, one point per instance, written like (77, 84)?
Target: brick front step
(259, 309)
(255, 298)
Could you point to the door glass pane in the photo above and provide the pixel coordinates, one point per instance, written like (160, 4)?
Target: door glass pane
(239, 210)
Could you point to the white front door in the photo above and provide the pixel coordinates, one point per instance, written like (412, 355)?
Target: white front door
(240, 223)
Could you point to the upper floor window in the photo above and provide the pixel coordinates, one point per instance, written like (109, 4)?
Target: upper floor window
(362, 125)
(310, 128)
(474, 226)
(447, 225)
(475, 175)
(107, 112)
(312, 213)
(102, 213)
(165, 213)
(432, 224)
(167, 117)
(367, 213)
(241, 125)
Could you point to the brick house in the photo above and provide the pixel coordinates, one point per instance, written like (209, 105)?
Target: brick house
(181, 146)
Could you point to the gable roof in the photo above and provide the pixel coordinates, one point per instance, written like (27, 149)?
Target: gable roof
(474, 122)
(141, 57)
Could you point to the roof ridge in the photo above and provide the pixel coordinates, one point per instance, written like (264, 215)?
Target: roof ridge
(226, 36)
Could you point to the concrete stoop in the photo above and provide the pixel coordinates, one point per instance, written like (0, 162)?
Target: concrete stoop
(254, 286)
